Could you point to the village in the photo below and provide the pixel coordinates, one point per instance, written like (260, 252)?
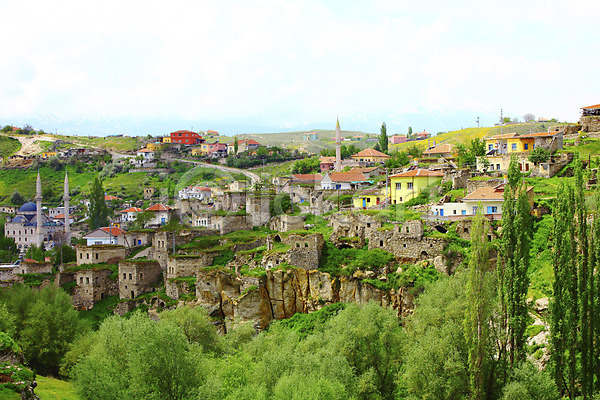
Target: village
(255, 250)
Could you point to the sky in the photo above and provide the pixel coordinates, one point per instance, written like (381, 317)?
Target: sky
(247, 66)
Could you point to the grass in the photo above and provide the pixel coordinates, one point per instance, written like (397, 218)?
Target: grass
(101, 310)
(9, 394)
(460, 136)
(55, 389)
(8, 146)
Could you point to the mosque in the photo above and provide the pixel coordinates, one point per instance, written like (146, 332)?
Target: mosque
(31, 226)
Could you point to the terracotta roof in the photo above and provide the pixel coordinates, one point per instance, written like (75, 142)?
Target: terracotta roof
(132, 209)
(110, 197)
(113, 230)
(370, 153)
(504, 136)
(59, 216)
(489, 193)
(486, 193)
(200, 188)
(249, 141)
(442, 148)
(327, 160)
(144, 150)
(424, 133)
(347, 177)
(539, 134)
(591, 107)
(308, 177)
(363, 169)
(158, 207)
(184, 131)
(418, 172)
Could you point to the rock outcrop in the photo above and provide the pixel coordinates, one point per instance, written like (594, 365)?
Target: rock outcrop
(281, 294)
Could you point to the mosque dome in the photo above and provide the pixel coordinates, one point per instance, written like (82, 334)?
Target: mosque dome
(28, 207)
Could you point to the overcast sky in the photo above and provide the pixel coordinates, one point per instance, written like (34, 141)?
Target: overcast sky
(289, 64)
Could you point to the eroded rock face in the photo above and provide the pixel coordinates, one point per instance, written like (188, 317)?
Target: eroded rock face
(281, 294)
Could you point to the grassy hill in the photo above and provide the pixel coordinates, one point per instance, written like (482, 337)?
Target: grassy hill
(295, 140)
(8, 146)
(466, 135)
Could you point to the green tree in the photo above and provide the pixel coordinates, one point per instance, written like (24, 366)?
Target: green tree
(281, 204)
(98, 211)
(129, 360)
(397, 159)
(514, 266)
(477, 147)
(16, 198)
(410, 132)
(306, 166)
(50, 325)
(414, 151)
(479, 294)
(235, 145)
(383, 139)
(35, 253)
(196, 325)
(8, 248)
(563, 326)
(539, 155)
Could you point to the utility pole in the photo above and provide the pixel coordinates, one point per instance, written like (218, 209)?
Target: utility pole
(478, 122)
(292, 192)
(501, 122)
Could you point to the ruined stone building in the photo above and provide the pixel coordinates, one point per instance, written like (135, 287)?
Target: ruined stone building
(137, 277)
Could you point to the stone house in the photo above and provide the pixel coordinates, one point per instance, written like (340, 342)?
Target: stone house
(286, 223)
(93, 285)
(137, 277)
(258, 208)
(407, 242)
(97, 254)
(29, 266)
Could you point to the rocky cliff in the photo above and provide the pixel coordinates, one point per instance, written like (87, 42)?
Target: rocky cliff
(281, 294)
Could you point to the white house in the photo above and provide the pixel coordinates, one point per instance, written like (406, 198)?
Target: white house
(195, 192)
(130, 214)
(147, 154)
(106, 235)
(160, 214)
(344, 181)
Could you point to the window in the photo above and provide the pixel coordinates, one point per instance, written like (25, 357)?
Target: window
(474, 210)
(398, 186)
(454, 212)
(130, 277)
(525, 146)
(124, 275)
(497, 167)
(492, 209)
(513, 146)
(463, 212)
(381, 243)
(87, 279)
(490, 146)
(409, 185)
(491, 167)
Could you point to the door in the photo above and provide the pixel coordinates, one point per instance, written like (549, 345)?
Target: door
(441, 212)
(364, 203)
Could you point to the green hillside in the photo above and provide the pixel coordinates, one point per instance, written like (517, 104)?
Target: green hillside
(8, 146)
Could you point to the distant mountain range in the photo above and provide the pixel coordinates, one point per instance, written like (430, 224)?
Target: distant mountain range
(428, 120)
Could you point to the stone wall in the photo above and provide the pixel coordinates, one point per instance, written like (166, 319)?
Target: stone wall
(286, 223)
(133, 238)
(305, 251)
(407, 248)
(590, 123)
(33, 267)
(137, 277)
(230, 223)
(96, 254)
(233, 201)
(352, 225)
(458, 178)
(258, 208)
(92, 286)
(187, 265)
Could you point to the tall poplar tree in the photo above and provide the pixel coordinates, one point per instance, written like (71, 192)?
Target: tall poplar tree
(479, 309)
(98, 211)
(514, 265)
(563, 326)
(383, 139)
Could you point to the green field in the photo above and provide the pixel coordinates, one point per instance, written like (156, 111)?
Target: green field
(8, 146)
(54, 389)
(461, 136)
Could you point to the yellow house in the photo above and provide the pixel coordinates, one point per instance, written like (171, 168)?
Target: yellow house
(519, 144)
(157, 146)
(370, 156)
(410, 184)
(368, 198)
(48, 154)
(197, 151)
(166, 139)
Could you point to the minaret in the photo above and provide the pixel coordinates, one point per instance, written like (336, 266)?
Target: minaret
(66, 199)
(338, 146)
(38, 209)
